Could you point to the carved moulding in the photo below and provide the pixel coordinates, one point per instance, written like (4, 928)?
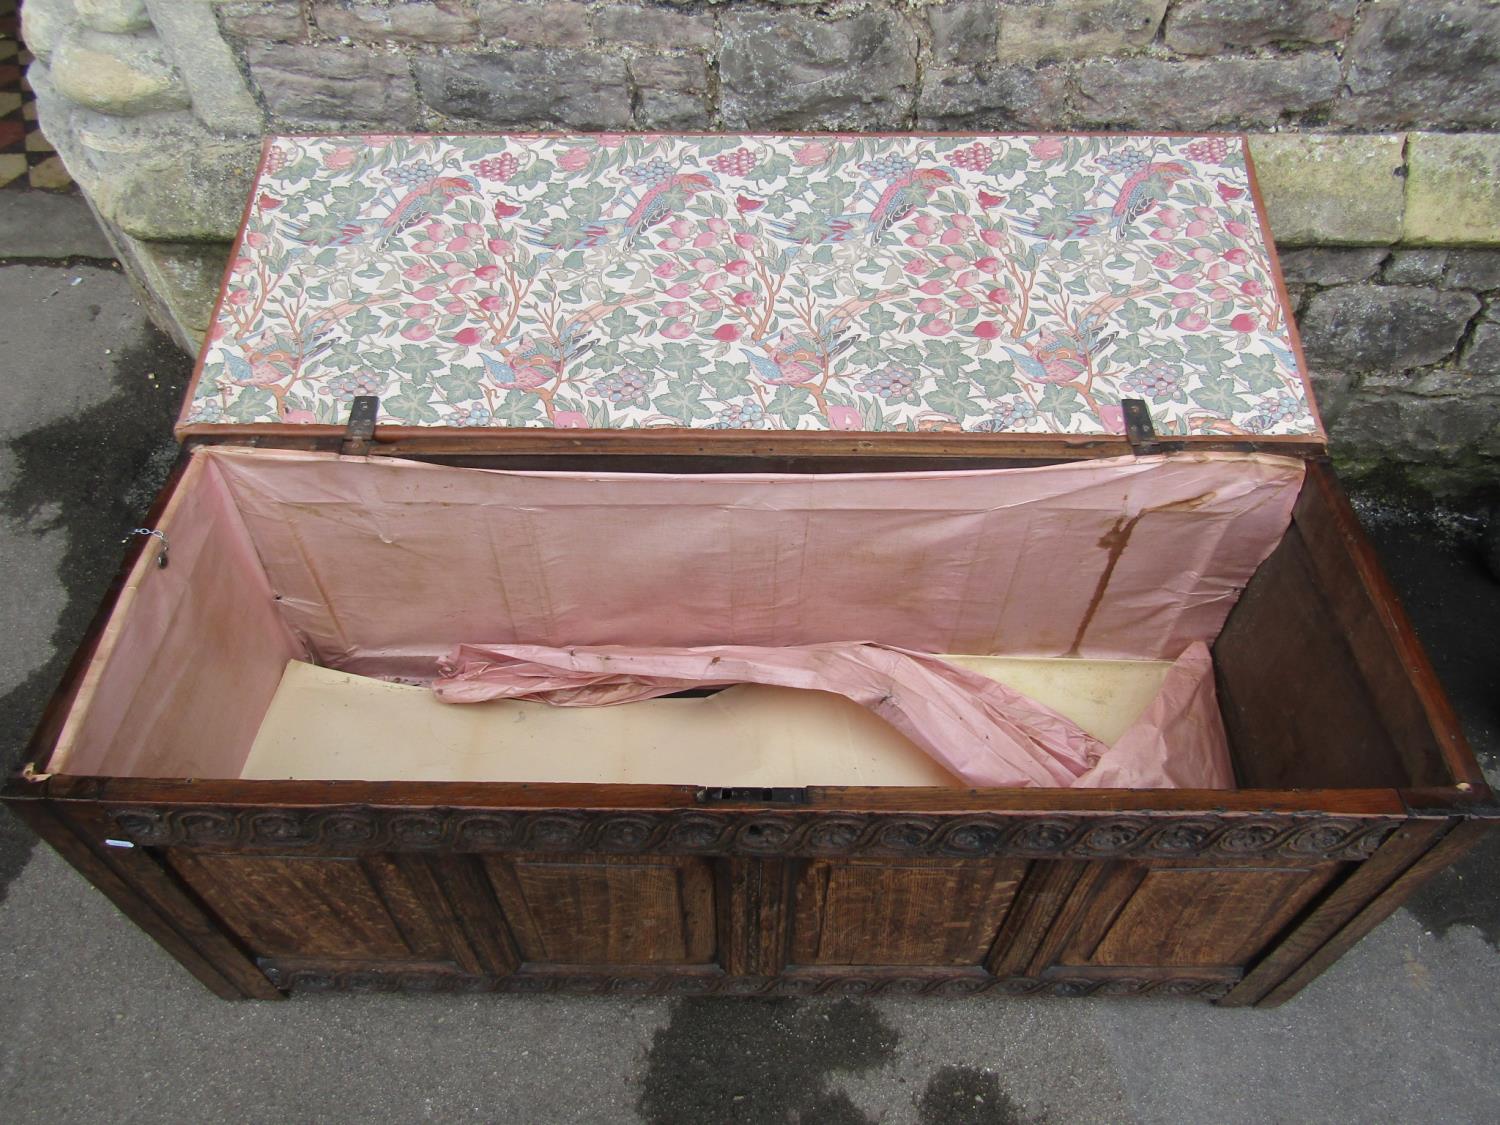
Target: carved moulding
(342, 830)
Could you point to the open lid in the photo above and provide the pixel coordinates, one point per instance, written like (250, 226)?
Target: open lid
(756, 295)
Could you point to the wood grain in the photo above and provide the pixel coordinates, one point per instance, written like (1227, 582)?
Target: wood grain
(1206, 916)
(307, 907)
(607, 910)
(1296, 708)
(1361, 885)
(217, 963)
(1460, 839)
(1412, 701)
(871, 912)
(754, 915)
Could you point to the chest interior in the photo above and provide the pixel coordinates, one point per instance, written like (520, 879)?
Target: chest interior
(308, 599)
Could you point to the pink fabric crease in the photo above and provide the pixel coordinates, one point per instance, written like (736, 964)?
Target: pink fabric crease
(983, 731)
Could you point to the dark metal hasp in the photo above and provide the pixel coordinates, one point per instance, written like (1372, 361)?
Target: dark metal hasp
(1140, 431)
(769, 795)
(360, 431)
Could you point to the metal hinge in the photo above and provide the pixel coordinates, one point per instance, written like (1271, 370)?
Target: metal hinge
(758, 794)
(360, 432)
(1140, 431)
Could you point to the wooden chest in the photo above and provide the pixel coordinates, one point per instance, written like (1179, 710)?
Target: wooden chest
(1033, 401)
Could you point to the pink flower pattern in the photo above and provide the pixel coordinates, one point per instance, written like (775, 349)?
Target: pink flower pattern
(1018, 284)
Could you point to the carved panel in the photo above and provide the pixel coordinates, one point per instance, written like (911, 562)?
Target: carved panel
(349, 830)
(1196, 916)
(919, 912)
(351, 908)
(607, 910)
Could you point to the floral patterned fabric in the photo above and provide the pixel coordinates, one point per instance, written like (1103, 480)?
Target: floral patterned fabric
(1003, 284)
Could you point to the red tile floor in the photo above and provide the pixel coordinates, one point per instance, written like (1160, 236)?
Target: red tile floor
(26, 159)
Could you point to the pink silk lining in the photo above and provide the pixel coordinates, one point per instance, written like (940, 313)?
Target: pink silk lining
(983, 731)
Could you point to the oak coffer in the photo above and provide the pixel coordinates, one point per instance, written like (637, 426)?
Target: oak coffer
(753, 565)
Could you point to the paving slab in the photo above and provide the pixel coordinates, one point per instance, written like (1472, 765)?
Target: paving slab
(36, 224)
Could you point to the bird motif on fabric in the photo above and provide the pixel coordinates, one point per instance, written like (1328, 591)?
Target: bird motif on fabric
(1147, 184)
(664, 200)
(1142, 190)
(903, 195)
(422, 201)
(794, 358)
(813, 229)
(270, 356)
(665, 197)
(532, 362)
(569, 234)
(1054, 355)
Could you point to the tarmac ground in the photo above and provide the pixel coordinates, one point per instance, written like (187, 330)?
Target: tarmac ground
(101, 1025)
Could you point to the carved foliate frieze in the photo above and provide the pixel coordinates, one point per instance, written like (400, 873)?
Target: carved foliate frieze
(357, 829)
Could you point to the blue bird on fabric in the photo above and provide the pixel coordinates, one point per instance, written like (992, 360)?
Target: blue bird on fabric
(417, 206)
(1142, 190)
(1055, 355)
(532, 362)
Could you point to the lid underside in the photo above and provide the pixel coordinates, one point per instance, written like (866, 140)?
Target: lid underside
(1015, 286)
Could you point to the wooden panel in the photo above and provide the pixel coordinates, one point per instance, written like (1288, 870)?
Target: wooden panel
(178, 925)
(1019, 948)
(607, 910)
(873, 912)
(289, 907)
(1295, 708)
(1412, 703)
(1463, 837)
(1321, 679)
(755, 897)
(1366, 881)
(1205, 916)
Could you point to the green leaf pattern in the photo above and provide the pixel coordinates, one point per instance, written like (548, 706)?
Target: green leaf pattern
(1021, 284)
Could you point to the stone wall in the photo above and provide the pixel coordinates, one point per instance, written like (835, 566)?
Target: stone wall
(1375, 125)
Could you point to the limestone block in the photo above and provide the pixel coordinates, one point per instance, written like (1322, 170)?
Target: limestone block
(1482, 355)
(331, 85)
(1322, 265)
(1473, 269)
(964, 31)
(1429, 64)
(1440, 443)
(1323, 189)
(687, 73)
(113, 15)
(413, 21)
(276, 20)
(997, 97)
(671, 109)
(653, 27)
(180, 280)
(1453, 189)
(164, 177)
(124, 75)
(1415, 267)
(43, 23)
(220, 98)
